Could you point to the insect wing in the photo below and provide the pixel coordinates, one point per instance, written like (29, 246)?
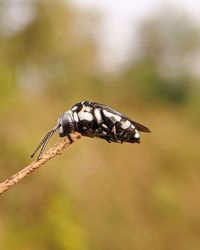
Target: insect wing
(137, 125)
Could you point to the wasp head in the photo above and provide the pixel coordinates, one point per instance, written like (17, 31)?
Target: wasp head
(66, 124)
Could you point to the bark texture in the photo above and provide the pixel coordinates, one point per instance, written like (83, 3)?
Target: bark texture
(57, 149)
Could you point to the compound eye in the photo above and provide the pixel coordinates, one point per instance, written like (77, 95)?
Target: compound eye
(61, 132)
(67, 125)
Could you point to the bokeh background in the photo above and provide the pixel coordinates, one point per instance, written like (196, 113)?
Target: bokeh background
(143, 60)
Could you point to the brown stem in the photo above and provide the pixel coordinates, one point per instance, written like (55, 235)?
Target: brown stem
(57, 149)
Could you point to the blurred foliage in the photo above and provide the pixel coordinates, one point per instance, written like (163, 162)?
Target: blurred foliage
(99, 196)
(168, 48)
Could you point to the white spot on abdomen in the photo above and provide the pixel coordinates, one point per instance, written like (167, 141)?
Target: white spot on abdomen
(132, 126)
(125, 124)
(111, 115)
(104, 126)
(97, 115)
(136, 135)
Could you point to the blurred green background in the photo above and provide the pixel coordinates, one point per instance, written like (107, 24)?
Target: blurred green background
(100, 196)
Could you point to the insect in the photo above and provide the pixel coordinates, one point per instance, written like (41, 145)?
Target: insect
(93, 119)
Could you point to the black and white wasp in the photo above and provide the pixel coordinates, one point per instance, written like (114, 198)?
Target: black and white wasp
(93, 119)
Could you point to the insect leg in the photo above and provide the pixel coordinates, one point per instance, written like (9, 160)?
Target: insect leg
(70, 138)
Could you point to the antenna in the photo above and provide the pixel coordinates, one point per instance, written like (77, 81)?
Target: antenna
(44, 142)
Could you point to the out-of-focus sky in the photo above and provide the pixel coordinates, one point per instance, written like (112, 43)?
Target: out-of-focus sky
(120, 21)
(122, 18)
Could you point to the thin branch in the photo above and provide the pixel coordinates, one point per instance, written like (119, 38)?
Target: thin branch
(57, 149)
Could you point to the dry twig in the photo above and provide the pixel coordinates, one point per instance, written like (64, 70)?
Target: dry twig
(49, 154)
